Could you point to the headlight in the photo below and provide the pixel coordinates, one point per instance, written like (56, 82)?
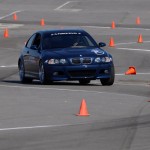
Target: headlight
(108, 59)
(97, 60)
(56, 61)
(63, 61)
(103, 59)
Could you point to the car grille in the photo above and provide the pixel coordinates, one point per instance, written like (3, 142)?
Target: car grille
(82, 73)
(82, 60)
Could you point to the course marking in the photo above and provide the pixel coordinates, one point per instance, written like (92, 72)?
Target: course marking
(97, 27)
(132, 49)
(70, 10)
(4, 25)
(107, 27)
(131, 43)
(60, 89)
(62, 5)
(126, 43)
(17, 11)
(60, 8)
(47, 88)
(37, 127)
(9, 66)
(122, 74)
(133, 84)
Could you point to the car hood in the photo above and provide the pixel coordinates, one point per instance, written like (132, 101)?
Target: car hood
(75, 52)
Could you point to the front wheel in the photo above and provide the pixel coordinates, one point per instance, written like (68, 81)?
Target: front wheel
(42, 75)
(109, 81)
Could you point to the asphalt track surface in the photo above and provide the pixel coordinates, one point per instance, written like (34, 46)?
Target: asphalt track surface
(35, 117)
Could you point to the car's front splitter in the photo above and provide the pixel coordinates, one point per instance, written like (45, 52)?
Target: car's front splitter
(77, 72)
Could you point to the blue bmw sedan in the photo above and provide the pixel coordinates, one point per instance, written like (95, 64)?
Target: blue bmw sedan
(68, 54)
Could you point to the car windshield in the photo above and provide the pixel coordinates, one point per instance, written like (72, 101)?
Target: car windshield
(67, 40)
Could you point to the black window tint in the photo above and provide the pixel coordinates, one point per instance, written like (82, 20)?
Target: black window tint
(47, 43)
(30, 41)
(37, 41)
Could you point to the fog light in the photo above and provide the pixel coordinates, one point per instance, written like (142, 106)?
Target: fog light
(106, 71)
(55, 73)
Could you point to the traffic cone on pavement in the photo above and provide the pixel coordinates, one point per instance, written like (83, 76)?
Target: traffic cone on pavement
(131, 71)
(111, 43)
(6, 34)
(138, 21)
(113, 25)
(15, 16)
(42, 22)
(83, 109)
(140, 39)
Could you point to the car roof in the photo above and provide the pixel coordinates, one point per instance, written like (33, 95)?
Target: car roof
(61, 31)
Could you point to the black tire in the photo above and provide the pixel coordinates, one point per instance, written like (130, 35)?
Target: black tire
(42, 75)
(84, 81)
(109, 81)
(23, 79)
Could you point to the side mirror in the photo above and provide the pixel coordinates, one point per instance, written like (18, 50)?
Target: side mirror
(101, 44)
(34, 47)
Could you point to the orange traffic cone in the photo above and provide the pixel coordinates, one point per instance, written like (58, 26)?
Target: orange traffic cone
(111, 43)
(140, 39)
(131, 71)
(83, 109)
(113, 25)
(42, 22)
(6, 34)
(15, 16)
(138, 21)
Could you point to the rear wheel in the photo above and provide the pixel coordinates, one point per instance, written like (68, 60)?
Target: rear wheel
(84, 81)
(109, 81)
(42, 75)
(23, 79)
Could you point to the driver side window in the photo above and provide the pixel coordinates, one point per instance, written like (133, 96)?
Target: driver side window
(34, 42)
(30, 41)
(37, 41)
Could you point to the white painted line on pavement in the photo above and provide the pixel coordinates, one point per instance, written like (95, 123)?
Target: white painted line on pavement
(47, 88)
(37, 127)
(119, 74)
(59, 89)
(58, 8)
(101, 27)
(133, 84)
(146, 29)
(131, 43)
(3, 26)
(10, 14)
(70, 10)
(143, 73)
(96, 27)
(132, 49)
(125, 43)
(122, 74)
(9, 66)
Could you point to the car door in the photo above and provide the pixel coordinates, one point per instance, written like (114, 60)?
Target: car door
(26, 54)
(35, 52)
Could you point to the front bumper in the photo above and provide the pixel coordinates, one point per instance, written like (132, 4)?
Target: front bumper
(92, 72)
